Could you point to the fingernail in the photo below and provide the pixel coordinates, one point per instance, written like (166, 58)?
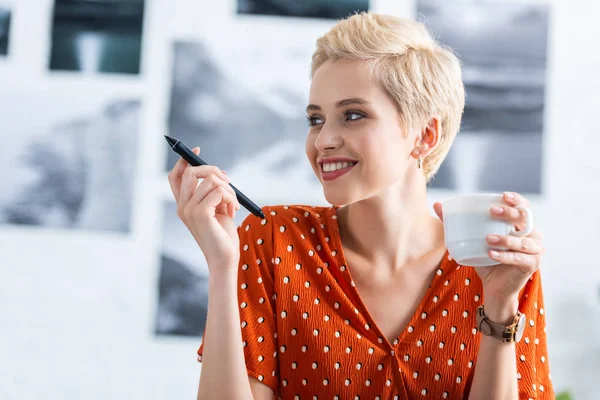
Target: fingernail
(497, 210)
(225, 176)
(509, 195)
(494, 253)
(223, 171)
(493, 239)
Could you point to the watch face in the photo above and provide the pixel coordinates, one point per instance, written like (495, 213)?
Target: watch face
(520, 328)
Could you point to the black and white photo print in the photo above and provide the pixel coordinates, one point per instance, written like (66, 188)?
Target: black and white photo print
(249, 121)
(5, 14)
(99, 36)
(305, 8)
(183, 278)
(70, 167)
(503, 47)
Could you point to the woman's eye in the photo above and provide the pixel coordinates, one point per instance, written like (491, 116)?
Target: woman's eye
(352, 116)
(312, 121)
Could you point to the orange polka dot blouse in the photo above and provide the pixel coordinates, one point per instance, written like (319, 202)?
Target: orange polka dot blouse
(308, 335)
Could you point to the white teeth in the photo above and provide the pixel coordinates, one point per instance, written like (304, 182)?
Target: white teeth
(330, 167)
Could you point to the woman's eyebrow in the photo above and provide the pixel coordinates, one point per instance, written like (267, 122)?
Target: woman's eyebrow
(341, 103)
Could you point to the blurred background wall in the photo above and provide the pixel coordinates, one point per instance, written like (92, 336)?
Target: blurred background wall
(102, 289)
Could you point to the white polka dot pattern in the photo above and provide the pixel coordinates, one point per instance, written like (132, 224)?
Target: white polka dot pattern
(328, 345)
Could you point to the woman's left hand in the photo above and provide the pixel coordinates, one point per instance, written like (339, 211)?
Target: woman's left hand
(502, 283)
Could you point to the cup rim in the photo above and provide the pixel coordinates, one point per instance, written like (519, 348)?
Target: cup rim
(458, 202)
(480, 194)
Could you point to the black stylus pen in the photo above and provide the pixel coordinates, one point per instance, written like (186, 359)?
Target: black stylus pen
(189, 156)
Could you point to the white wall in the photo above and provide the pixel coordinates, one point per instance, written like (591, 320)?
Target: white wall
(77, 309)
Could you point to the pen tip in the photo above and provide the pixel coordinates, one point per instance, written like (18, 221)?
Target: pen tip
(170, 140)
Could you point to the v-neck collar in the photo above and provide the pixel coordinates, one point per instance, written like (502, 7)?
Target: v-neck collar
(355, 295)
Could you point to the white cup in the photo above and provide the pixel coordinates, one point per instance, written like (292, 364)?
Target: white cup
(468, 222)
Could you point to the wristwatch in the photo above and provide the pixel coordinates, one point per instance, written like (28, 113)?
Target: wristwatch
(505, 333)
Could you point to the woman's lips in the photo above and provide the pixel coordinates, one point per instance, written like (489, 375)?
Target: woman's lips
(329, 176)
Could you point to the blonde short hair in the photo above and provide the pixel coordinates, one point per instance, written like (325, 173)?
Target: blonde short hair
(420, 75)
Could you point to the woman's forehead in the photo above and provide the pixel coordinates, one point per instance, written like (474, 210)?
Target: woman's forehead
(336, 81)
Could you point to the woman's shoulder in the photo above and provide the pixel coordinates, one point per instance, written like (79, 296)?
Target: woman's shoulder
(301, 215)
(305, 210)
(291, 226)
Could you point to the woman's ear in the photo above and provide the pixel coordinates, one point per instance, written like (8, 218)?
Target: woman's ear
(430, 135)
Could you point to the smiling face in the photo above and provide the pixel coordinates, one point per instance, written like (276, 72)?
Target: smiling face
(351, 119)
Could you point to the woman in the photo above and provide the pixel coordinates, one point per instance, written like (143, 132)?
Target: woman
(361, 299)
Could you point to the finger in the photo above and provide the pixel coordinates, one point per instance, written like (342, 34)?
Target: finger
(208, 185)
(221, 200)
(437, 207)
(189, 181)
(537, 235)
(216, 202)
(509, 214)
(515, 243)
(528, 263)
(515, 199)
(176, 173)
(231, 208)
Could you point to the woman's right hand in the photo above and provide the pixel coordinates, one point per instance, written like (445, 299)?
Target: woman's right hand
(207, 210)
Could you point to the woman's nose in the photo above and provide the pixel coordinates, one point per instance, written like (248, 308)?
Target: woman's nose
(328, 139)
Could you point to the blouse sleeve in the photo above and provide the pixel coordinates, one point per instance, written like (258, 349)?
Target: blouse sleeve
(533, 368)
(256, 298)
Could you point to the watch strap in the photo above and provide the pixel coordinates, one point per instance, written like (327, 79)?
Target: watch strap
(504, 333)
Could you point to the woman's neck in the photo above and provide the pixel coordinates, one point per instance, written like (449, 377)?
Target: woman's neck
(391, 230)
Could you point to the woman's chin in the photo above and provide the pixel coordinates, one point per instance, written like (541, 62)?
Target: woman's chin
(337, 199)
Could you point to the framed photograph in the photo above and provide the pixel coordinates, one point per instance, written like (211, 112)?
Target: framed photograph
(5, 14)
(70, 167)
(248, 121)
(100, 36)
(183, 278)
(503, 48)
(305, 8)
